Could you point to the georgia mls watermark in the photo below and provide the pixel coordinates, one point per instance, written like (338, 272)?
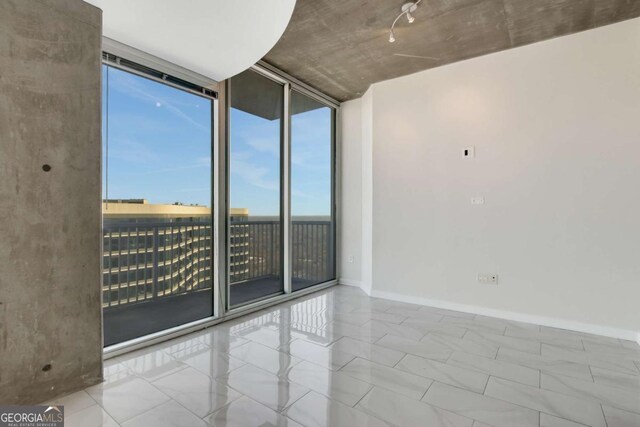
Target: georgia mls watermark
(31, 416)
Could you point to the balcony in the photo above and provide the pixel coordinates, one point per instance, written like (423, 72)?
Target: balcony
(158, 274)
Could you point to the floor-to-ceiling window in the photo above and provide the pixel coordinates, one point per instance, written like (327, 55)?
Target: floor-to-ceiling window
(256, 129)
(157, 203)
(277, 180)
(281, 223)
(312, 196)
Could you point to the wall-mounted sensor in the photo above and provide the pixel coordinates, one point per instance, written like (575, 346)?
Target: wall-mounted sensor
(468, 152)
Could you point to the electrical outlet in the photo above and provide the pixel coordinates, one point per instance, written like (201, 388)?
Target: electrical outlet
(488, 278)
(478, 200)
(350, 259)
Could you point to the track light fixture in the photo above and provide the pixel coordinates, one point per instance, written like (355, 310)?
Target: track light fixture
(410, 18)
(407, 9)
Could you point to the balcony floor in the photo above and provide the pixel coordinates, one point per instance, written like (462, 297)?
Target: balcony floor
(136, 320)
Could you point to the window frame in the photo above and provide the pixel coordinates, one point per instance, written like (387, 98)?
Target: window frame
(219, 94)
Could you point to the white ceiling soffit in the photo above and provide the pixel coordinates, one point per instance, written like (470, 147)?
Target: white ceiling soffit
(215, 38)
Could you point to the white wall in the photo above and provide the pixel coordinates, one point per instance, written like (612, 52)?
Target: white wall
(367, 190)
(556, 129)
(351, 201)
(357, 192)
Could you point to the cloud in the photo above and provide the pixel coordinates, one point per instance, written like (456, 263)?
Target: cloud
(253, 174)
(258, 176)
(174, 169)
(194, 190)
(303, 195)
(300, 156)
(265, 145)
(131, 151)
(129, 85)
(200, 162)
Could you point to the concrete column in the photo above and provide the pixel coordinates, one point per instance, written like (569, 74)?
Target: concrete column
(50, 238)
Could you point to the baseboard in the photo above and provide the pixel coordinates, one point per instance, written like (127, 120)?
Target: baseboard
(356, 283)
(606, 331)
(349, 282)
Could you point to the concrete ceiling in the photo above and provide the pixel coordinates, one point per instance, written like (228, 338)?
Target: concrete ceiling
(341, 47)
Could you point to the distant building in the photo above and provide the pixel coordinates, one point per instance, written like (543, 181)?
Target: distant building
(239, 242)
(158, 250)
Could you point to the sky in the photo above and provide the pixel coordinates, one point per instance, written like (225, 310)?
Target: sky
(159, 149)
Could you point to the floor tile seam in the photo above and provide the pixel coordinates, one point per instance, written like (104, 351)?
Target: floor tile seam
(166, 374)
(565, 419)
(282, 411)
(379, 339)
(604, 415)
(593, 379)
(229, 386)
(96, 403)
(474, 369)
(400, 371)
(473, 420)
(615, 353)
(589, 364)
(374, 415)
(550, 359)
(299, 361)
(203, 418)
(401, 359)
(232, 401)
(553, 391)
(590, 398)
(430, 404)
(427, 390)
(343, 366)
(631, 389)
(371, 387)
(481, 395)
(144, 412)
(582, 344)
(542, 370)
(447, 348)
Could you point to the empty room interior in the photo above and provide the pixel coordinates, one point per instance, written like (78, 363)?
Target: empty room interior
(320, 213)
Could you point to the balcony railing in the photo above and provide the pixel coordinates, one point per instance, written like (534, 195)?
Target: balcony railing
(145, 261)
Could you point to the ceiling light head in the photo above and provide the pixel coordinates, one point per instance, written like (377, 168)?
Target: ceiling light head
(407, 9)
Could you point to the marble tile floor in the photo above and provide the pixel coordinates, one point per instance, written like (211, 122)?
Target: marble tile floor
(340, 358)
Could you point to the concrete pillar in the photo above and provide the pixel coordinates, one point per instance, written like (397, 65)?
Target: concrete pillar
(50, 238)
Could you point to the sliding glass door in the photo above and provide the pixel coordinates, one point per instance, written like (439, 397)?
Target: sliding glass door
(157, 228)
(255, 189)
(312, 197)
(281, 225)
